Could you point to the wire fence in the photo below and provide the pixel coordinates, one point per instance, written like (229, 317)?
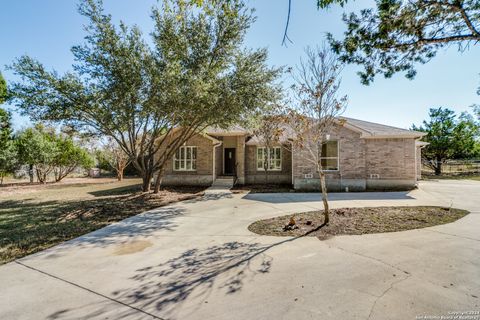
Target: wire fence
(454, 167)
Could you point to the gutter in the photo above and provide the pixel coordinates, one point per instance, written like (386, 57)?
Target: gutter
(398, 136)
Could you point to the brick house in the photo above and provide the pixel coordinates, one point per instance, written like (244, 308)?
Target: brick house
(359, 156)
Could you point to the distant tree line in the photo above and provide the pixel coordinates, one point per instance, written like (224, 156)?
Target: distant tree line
(42, 149)
(450, 136)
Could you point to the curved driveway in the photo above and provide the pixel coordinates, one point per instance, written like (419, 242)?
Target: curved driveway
(197, 260)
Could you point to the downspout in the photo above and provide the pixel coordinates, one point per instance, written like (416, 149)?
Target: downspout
(214, 157)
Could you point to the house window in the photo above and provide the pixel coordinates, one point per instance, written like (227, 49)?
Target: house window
(185, 159)
(329, 157)
(274, 156)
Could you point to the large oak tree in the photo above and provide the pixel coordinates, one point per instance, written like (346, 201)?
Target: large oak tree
(194, 73)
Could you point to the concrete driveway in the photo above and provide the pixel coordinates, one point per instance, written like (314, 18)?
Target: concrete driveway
(197, 260)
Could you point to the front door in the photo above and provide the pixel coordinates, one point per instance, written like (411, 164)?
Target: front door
(229, 161)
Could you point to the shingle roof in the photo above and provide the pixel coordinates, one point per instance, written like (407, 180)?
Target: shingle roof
(373, 130)
(233, 129)
(366, 128)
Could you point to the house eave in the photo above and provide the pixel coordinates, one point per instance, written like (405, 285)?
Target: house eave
(227, 134)
(214, 141)
(394, 136)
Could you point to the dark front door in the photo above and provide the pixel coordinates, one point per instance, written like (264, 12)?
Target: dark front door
(229, 161)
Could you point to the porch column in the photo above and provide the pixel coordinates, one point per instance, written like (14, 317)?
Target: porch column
(240, 158)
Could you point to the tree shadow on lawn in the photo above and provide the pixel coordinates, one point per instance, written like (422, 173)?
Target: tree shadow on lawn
(195, 273)
(128, 189)
(27, 227)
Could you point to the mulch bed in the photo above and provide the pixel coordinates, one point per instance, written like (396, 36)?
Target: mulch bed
(356, 221)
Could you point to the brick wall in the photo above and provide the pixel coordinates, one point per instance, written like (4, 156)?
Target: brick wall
(391, 158)
(203, 175)
(363, 164)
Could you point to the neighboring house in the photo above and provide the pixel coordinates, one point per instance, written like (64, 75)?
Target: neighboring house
(359, 155)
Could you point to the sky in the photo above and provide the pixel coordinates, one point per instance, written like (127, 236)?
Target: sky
(47, 29)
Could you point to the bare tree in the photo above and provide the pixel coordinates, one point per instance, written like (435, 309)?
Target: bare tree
(317, 106)
(116, 157)
(268, 130)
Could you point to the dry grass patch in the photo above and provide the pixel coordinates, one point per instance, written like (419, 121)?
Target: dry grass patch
(32, 221)
(355, 221)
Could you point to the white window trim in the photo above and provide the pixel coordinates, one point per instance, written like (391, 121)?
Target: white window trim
(184, 169)
(265, 148)
(337, 157)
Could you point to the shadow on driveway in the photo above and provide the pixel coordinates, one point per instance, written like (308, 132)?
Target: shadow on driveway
(313, 197)
(193, 275)
(196, 272)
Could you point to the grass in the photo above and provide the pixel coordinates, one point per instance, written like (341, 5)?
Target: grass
(33, 218)
(355, 221)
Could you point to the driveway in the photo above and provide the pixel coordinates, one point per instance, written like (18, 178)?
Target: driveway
(197, 260)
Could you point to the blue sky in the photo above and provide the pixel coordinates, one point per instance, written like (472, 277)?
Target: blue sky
(47, 29)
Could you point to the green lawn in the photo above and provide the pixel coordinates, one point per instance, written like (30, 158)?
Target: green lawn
(33, 218)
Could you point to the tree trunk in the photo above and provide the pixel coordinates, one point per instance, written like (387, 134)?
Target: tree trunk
(323, 186)
(30, 173)
(158, 180)
(146, 181)
(145, 169)
(120, 172)
(438, 167)
(40, 177)
(58, 173)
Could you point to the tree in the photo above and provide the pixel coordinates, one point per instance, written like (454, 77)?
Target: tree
(476, 110)
(448, 137)
(69, 156)
(3, 89)
(318, 105)
(398, 34)
(38, 149)
(47, 152)
(465, 135)
(268, 129)
(196, 75)
(8, 152)
(115, 157)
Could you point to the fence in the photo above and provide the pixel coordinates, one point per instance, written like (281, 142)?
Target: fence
(454, 167)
